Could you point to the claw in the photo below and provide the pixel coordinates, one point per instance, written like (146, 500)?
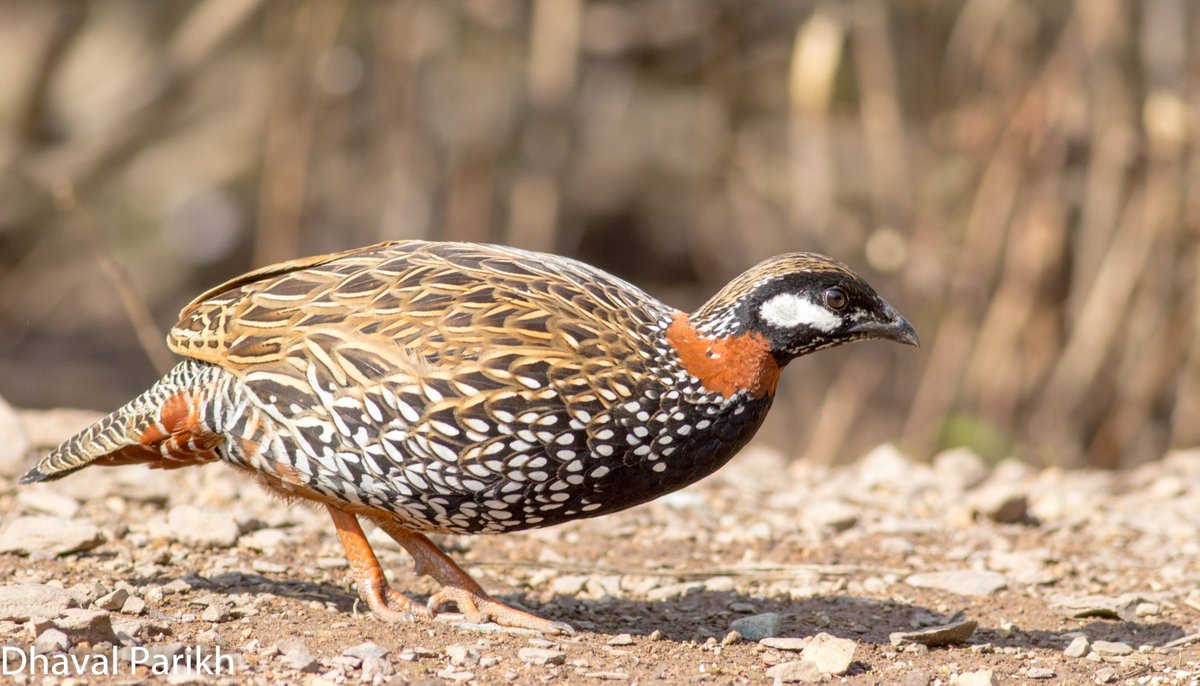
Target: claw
(474, 605)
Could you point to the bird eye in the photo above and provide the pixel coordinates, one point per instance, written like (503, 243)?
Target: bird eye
(835, 298)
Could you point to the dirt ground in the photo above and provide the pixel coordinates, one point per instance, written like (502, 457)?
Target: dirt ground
(653, 592)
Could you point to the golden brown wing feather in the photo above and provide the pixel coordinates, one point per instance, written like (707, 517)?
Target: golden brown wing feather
(413, 308)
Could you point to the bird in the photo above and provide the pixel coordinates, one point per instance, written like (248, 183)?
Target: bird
(466, 388)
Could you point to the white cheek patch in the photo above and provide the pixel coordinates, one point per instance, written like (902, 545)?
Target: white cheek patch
(788, 311)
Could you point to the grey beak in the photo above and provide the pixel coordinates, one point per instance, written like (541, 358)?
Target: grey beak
(898, 329)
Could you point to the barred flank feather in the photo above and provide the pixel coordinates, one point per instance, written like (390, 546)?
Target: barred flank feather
(121, 437)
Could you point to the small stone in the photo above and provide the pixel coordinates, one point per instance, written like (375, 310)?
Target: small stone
(757, 627)
(832, 515)
(14, 445)
(268, 567)
(731, 638)
(113, 601)
(1111, 648)
(982, 677)
(795, 671)
(965, 582)
(295, 655)
(54, 535)
(366, 651)
(22, 602)
(201, 527)
(674, 591)
(86, 594)
(93, 626)
(462, 656)
(620, 640)
(830, 654)
(960, 468)
(742, 607)
(785, 643)
(1106, 675)
(263, 540)
(216, 612)
(915, 678)
(47, 502)
(134, 606)
(376, 666)
(1079, 647)
(949, 634)
(128, 630)
(568, 585)
(1002, 502)
(655, 635)
(1106, 607)
(1148, 609)
(542, 656)
(52, 641)
(452, 675)
(1041, 673)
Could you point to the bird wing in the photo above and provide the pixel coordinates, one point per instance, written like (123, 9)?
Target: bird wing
(441, 302)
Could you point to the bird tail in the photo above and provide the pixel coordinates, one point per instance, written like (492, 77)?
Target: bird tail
(167, 426)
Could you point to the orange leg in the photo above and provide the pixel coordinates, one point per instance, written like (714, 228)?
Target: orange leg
(458, 587)
(368, 575)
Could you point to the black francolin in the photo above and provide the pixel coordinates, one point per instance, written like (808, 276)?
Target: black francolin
(469, 389)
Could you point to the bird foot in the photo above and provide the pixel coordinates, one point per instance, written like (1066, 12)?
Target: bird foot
(476, 608)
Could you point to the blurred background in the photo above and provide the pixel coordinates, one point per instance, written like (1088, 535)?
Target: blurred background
(1021, 178)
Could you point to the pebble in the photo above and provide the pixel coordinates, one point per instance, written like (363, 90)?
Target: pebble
(263, 540)
(366, 651)
(22, 602)
(112, 601)
(47, 501)
(965, 582)
(916, 677)
(982, 677)
(52, 641)
(450, 674)
(1041, 673)
(949, 634)
(832, 515)
(960, 469)
(294, 654)
(93, 626)
(542, 656)
(1111, 648)
(134, 606)
(48, 534)
(217, 611)
(830, 654)
(201, 527)
(784, 642)
(1106, 675)
(757, 627)
(1001, 501)
(14, 445)
(620, 640)
(795, 671)
(568, 585)
(1107, 607)
(1079, 647)
(462, 656)
(674, 591)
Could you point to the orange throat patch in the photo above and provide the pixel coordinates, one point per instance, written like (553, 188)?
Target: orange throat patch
(725, 365)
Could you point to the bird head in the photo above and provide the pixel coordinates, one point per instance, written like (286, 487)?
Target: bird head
(799, 303)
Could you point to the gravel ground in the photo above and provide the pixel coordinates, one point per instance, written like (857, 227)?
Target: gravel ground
(882, 572)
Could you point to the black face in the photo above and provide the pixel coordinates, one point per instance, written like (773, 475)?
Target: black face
(809, 310)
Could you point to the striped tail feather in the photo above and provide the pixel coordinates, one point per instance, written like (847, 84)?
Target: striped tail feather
(165, 427)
